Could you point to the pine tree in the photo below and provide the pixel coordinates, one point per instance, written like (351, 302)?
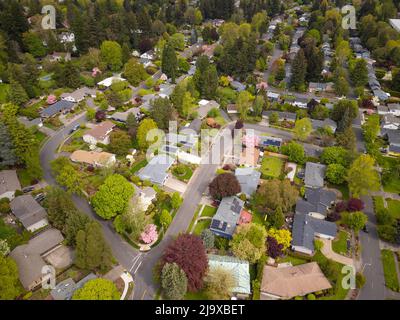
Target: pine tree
(299, 69)
(169, 64)
(173, 282)
(17, 93)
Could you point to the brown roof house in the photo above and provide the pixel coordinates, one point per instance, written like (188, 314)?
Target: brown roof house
(29, 257)
(290, 282)
(96, 159)
(31, 214)
(9, 183)
(99, 134)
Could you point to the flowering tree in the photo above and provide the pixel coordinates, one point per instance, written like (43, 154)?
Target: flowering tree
(149, 234)
(51, 99)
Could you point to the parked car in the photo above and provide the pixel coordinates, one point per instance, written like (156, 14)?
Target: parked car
(40, 197)
(28, 189)
(365, 229)
(75, 128)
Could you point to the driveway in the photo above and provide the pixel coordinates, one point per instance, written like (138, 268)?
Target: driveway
(175, 185)
(329, 253)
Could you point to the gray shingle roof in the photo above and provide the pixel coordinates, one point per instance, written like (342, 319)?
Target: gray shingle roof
(156, 169)
(227, 216)
(27, 210)
(9, 181)
(306, 227)
(282, 115)
(314, 175)
(317, 200)
(59, 106)
(249, 179)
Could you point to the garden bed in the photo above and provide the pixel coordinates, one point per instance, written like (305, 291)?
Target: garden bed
(389, 270)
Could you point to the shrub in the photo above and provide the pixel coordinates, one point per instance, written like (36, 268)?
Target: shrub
(360, 280)
(208, 238)
(311, 297)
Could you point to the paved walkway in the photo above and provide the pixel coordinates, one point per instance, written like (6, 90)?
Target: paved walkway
(127, 280)
(386, 195)
(329, 253)
(47, 131)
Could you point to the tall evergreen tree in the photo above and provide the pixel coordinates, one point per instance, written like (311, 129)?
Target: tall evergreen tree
(169, 63)
(299, 69)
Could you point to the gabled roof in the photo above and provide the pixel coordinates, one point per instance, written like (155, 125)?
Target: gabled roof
(27, 210)
(305, 228)
(9, 181)
(239, 269)
(393, 136)
(282, 115)
(323, 123)
(123, 116)
(227, 216)
(314, 174)
(295, 281)
(195, 125)
(101, 131)
(156, 169)
(57, 107)
(91, 157)
(205, 106)
(249, 179)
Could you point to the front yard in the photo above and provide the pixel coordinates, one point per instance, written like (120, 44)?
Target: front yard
(394, 207)
(271, 167)
(389, 270)
(340, 245)
(208, 212)
(182, 172)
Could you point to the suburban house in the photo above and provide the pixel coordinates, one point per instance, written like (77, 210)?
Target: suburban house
(293, 281)
(320, 87)
(232, 109)
(314, 175)
(79, 95)
(249, 157)
(382, 110)
(391, 122)
(192, 128)
(145, 196)
(99, 134)
(227, 217)
(9, 183)
(238, 86)
(249, 179)
(123, 116)
(205, 106)
(65, 289)
(306, 228)
(317, 202)
(266, 141)
(93, 158)
(282, 116)
(106, 83)
(393, 137)
(394, 109)
(301, 103)
(156, 171)
(29, 257)
(239, 269)
(273, 96)
(31, 214)
(31, 123)
(181, 140)
(316, 124)
(59, 106)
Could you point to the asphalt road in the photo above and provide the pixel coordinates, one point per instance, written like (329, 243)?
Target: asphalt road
(374, 288)
(145, 288)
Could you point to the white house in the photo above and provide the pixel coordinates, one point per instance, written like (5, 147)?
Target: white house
(99, 134)
(79, 95)
(109, 81)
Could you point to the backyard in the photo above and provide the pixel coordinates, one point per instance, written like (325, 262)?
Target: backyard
(271, 167)
(389, 270)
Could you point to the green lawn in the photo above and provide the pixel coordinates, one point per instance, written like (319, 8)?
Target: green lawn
(378, 203)
(195, 216)
(295, 261)
(182, 172)
(340, 245)
(394, 207)
(389, 269)
(139, 165)
(271, 167)
(393, 186)
(343, 188)
(195, 296)
(40, 136)
(24, 177)
(208, 211)
(201, 225)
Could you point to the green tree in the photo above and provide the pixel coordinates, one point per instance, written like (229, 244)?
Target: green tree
(332, 155)
(188, 105)
(97, 289)
(112, 197)
(276, 219)
(336, 173)
(362, 176)
(162, 112)
(299, 69)
(243, 103)
(92, 251)
(34, 44)
(169, 62)
(120, 143)
(258, 105)
(303, 129)
(219, 283)
(176, 200)
(17, 93)
(134, 72)
(165, 218)
(59, 207)
(177, 41)
(74, 222)
(248, 242)
(208, 238)
(173, 282)
(111, 54)
(359, 73)
(66, 175)
(355, 220)
(295, 152)
(144, 128)
(10, 287)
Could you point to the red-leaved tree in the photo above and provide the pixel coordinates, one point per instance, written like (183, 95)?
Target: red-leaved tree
(189, 253)
(224, 185)
(274, 249)
(355, 205)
